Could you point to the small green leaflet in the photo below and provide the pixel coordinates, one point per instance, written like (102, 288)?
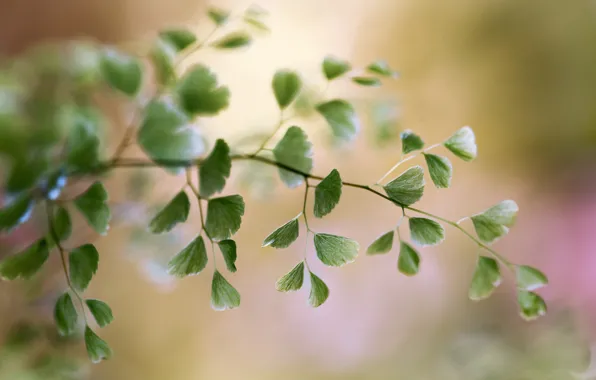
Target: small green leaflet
(408, 188)
(381, 67)
(487, 278)
(286, 86)
(410, 142)
(531, 305)
(294, 151)
(341, 117)
(327, 194)
(382, 244)
(65, 315)
(179, 38)
(214, 171)
(15, 213)
(218, 16)
(199, 94)
(496, 221)
(121, 71)
(319, 292)
(292, 280)
(529, 278)
(83, 262)
(163, 56)
(440, 170)
(253, 20)
(83, 140)
(228, 251)
(176, 211)
(100, 311)
(93, 205)
(190, 261)
(224, 216)
(463, 144)
(408, 261)
(334, 67)
(62, 223)
(223, 294)
(97, 348)
(367, 81)
(25, 264)
(284, 236)
(335, 250)
(426, 232)
(25, 172)
(233, 40)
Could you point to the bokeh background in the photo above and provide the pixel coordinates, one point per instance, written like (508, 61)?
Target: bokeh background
(522, 74)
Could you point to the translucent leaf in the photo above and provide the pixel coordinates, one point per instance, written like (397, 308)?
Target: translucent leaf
(176, 211)
(191, 260)
(335, 250)
(426, 232)
(228, 250)
(531, 305)
(327, 194)
(15, 213)
(25, 264)
(224, 216)
(214, 171)
(382, 244)
(101, 311)
(121, 71)
(530, 278)
(463, 144)
(83, 262)
(65, 315)
(223, 294)
(381, 67)
(286, 86)
(233, 40)
(408, 188)
(410, 142)
(256, 23)
(97, 348)
(495, 222)
(292, 280)
(200, 94)
(179, 38)
(163, 56)
(334, 67)
(440, 170)
(319, 292)
(218, 16)
(408, 261)
(62, 223)
(486, 278)
(341, 117)
(93, 205)
(367, 81)
(294, 151)
(284, 236)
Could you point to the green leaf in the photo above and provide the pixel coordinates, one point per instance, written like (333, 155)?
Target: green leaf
(294, 151)
(83, 262)
(190, 261)
(83, 141)
(319, 292)
(410, 142)
(531, 305)
(65, 315)
(256, 23)
(487, 278)
(284, 236)
(335, 250)
(463, 144)
(163, 56)
(53, 185)
(334, 67)
(367, 81)
(224, 216)
(26, 173)
(15, 213)
(233, 40)
(176, 211)
(426, 232)
(223, 294)
(97, 348)
(495, 222)
(286, 86)
(327, 194)
(292, 280)
(25, 264)
(62, 223)
(200, 94)
(408, 262)
(101, 311)
(218, 16)
(214, 171)
(121, 71)
(530, 278)
(381, 67)
(180, 39)
(382, 244)
(440, 170)
(93, 205)
(408, 188)
(228, 250)
(341, 117)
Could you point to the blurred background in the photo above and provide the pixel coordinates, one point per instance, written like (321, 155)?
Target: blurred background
(522, 74)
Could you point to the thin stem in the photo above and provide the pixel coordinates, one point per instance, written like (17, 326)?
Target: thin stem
(306, 187)
(404, 159)
(201, 214)
(280, 123)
